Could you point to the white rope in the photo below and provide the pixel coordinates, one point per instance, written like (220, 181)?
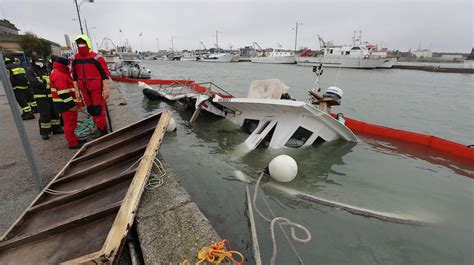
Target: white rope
(155, 181)
(280, 221)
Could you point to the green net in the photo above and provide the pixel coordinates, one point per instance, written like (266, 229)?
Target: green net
(85, 128)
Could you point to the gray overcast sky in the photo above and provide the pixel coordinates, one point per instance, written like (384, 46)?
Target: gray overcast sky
(444, 25)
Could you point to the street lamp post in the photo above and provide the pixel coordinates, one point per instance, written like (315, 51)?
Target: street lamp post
(78, 9)
(296, 33)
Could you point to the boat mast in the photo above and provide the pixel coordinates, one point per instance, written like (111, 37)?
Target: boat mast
(217, 41)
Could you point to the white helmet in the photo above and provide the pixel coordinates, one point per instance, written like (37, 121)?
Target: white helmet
(335, 91)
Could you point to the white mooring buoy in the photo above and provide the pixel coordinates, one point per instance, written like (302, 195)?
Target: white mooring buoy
(171, 125)
(283, 168)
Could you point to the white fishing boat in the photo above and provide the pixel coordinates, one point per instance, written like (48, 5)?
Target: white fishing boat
(219, 55)
(382, 53)
(274, 56)
(275, 120)
(356, 55)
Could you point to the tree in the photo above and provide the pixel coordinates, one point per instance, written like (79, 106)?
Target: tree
(31, 43)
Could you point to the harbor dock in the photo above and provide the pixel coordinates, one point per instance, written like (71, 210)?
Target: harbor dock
(170, 227)
(467, 67)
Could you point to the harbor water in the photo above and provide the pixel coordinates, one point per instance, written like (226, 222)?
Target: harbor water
(374, 174)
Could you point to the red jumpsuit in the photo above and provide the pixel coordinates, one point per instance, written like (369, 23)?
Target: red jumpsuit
(64, 100)
(89, 71)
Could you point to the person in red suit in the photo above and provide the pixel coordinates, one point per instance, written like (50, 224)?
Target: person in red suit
(91, 76)
(66, 99)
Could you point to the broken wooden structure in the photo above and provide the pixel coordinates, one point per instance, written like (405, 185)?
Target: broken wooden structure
(83, 215)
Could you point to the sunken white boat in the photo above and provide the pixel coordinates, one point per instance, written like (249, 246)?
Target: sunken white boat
(275, 120)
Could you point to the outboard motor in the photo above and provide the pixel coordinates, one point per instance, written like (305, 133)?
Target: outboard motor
(334, 92)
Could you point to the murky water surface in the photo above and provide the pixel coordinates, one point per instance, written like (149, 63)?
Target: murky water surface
(374, 174)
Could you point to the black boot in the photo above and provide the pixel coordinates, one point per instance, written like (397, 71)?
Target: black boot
(79, 144)
(27, 116)
(45, 137)
(58, 130)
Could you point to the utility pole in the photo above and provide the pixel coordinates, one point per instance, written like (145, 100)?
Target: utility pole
(19, 124)
(157, 45)
(79, 16)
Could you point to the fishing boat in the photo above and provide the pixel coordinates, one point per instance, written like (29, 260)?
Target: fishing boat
(273, 119)
(382, 53)
(85, 213)
(356, 55)
(274, 56)
(219, 55)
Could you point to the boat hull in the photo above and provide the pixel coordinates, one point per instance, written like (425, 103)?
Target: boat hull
(226, 58)
(274, 60)
(359, 63)
(280, 119)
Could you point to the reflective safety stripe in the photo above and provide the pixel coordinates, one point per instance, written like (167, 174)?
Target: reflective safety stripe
(63, 100)
(40, 95)
(53, 89)
(63, 92)
(55, 122)
(50, 96)
(18, 71)
(26, 109)
(45, 125)
(33, 104)
(20, 87)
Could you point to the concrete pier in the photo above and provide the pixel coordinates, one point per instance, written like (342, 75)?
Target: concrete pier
(170, 227)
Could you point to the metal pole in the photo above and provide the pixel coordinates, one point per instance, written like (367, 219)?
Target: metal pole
(19, 124)
(87, 31)
(79, 16)
(296, 35)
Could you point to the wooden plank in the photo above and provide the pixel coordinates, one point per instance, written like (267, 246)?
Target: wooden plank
(109, 148)
(81, 193)
(61, 226)
(126, 214)
(100, 166)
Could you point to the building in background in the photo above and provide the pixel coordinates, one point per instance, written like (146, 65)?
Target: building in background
(10, 40)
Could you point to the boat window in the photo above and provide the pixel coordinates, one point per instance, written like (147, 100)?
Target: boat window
(330, 51)
(263, 127)
(268, 138)
(347, 53)
(299, 138)
(249, 125)
(318, 141)
(355, 48)
(342, 53)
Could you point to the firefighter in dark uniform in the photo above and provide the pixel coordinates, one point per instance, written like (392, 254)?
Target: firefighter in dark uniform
(29, 94)
(38, 78)
(20, 87)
